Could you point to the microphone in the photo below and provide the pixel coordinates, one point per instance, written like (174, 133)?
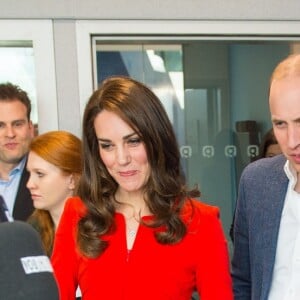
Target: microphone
(25, 271)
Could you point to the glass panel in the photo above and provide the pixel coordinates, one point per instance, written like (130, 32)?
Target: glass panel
(17, 66)
(158, 66)
(34, 40)
(215, 93)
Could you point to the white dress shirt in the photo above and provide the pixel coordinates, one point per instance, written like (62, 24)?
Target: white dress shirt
(286, 275)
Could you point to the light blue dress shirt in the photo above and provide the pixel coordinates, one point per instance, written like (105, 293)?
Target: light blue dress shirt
(9, 188)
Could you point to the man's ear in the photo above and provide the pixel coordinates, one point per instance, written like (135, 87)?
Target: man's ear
(32, 130)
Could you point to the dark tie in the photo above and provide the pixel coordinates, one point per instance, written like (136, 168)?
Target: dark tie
(4, 213)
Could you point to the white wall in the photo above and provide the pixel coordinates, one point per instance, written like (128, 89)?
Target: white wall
(152, 9)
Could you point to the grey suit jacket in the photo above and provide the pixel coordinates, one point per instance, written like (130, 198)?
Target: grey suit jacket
(262, 190)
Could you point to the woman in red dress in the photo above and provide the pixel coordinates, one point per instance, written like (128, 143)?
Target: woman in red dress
(136, 231)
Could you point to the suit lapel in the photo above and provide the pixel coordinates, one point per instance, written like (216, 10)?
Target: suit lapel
(273, 206)
(23, 204)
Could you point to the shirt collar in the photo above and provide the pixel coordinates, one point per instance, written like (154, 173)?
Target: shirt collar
(290, 173)
(19, 167)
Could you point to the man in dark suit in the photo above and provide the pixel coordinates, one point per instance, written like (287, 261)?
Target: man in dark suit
(16, 133)
(266, 258)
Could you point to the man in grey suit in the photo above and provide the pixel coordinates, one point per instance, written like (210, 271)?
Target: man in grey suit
(266, 258)
(16, 132)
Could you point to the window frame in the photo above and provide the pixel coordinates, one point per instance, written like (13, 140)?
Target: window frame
(40, 32)
(112, 30)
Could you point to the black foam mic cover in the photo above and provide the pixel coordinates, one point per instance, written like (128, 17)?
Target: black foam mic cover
(25, 270)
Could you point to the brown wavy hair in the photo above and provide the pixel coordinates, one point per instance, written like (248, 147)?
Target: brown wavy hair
(165, 191)
(63, 150)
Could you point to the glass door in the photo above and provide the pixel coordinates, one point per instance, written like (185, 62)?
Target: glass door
(197, 107)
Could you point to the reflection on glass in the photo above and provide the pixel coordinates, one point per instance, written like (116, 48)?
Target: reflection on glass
(17, 67)
(158, 66)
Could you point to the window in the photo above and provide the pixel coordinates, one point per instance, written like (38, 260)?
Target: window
(27, 59)
(212, 79)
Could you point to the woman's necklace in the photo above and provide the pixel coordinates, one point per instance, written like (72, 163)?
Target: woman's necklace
(132, 225)
(131, 232)
(132, 218)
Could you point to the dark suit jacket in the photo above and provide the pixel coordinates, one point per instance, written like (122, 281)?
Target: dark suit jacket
(262, 191)
(23, 204)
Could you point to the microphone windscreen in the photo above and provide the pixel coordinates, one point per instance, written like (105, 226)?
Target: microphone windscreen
(25, 270)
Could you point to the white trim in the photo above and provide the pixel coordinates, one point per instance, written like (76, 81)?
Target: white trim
(180, 29)
(40, 32)
(84, 54)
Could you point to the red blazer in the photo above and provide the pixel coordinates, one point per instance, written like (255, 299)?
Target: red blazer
(151, 271)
